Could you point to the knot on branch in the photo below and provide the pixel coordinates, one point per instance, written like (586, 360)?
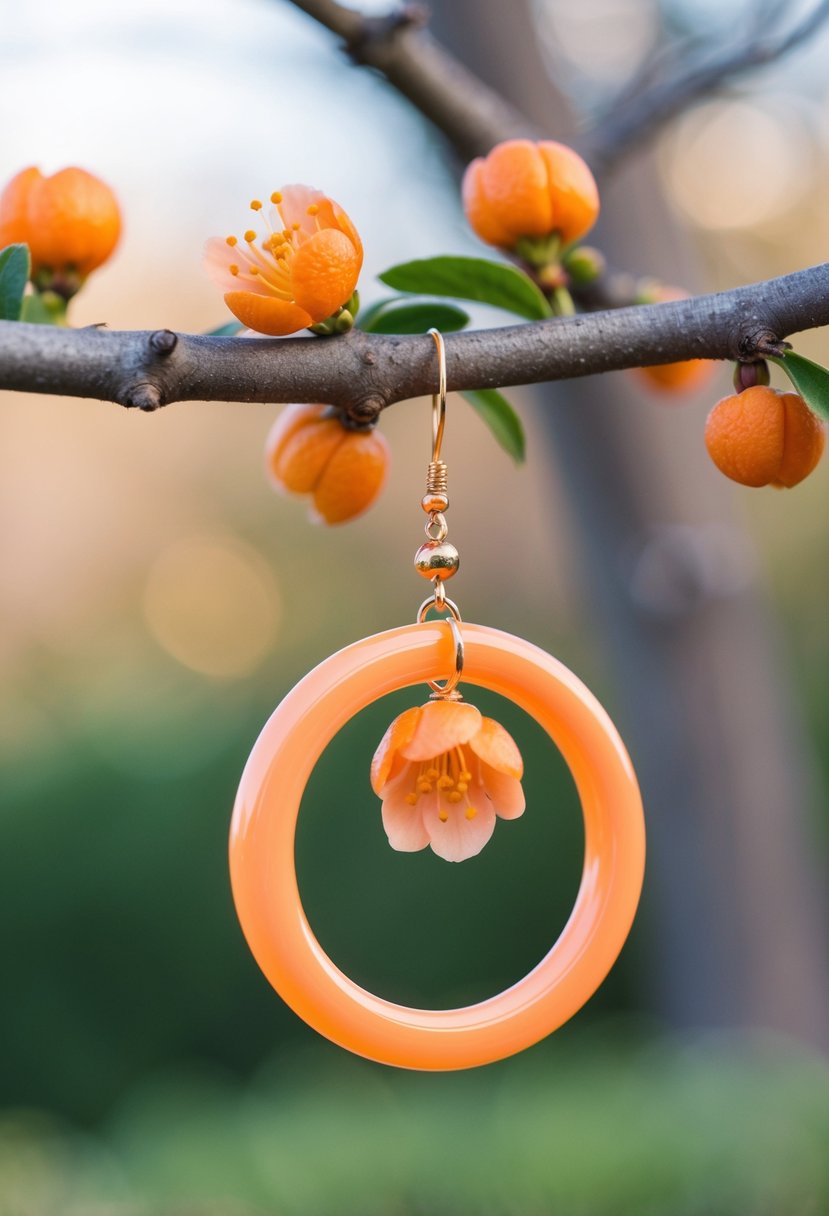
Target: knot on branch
(363, 412)
(752, 344)
(377, 33)
(163, 341)
(144, 396)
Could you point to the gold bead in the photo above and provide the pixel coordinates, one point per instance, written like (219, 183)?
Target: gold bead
(437, 559)
(434, 501)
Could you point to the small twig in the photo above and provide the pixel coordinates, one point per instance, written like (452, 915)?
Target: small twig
(380, 32)
(627, 125)
(364, 373)
(471, 115)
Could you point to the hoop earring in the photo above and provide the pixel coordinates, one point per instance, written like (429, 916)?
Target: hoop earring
(262, 835)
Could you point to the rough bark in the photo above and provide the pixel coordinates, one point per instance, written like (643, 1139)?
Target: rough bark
(366, 372)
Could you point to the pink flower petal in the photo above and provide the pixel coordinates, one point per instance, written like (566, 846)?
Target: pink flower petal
(458, 837)
(218, 258)
(506, 793)
(296, 199)
(442, 726)
(402, 821)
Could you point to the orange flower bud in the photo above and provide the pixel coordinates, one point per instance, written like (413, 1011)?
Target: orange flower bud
(299, 272)
(70, 221)
(529, 190)
(682, 377)
(761, 437)
(309, 451)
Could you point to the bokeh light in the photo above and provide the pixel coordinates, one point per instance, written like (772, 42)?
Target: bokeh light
(737, 164)
(213, 604)
(599, 43)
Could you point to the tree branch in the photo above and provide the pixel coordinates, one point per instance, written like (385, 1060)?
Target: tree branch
(471, 115)
(364, 373)
(148, 370)
(628, 125)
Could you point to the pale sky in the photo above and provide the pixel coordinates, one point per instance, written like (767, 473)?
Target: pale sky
(190, 109)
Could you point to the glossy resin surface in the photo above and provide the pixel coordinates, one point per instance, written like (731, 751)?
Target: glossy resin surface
(263, 873)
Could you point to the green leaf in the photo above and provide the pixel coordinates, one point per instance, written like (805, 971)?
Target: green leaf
(478, 279)
(402, 316)
(43, 308)
(225, 331)
(810, 379)
(501, 419)
(14, 275)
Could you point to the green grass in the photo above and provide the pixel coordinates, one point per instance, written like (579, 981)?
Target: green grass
(588, 1124)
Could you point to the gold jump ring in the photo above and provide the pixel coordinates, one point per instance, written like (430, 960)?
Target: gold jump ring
(454, 623)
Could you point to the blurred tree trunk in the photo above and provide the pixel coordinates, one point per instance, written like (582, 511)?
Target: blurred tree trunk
(734, 892)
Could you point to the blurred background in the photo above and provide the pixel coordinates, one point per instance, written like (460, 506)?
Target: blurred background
(158, 600)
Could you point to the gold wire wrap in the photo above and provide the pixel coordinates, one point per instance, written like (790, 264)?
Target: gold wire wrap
(437, 478)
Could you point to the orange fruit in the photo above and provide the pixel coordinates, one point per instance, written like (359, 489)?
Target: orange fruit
(14, 207)
(683, 377)
(525, 189)
(761, 437)
(309, 451)
(70, 221)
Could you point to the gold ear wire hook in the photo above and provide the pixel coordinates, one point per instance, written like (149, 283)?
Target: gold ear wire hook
(439, 398)
(438, 560)
(436, 477)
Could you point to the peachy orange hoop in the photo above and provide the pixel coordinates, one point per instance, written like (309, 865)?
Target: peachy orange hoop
(445, 773)
(262, 849)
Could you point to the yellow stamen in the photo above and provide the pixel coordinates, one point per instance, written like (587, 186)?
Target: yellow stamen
(234, 269)
(255, 205)
(443, 816)
(268, 269)
(260, 277)
(445, 782)
(454, 796)
(471, 812)
(250, 236)
(231, 240)
(462, 787)
(296, 226)
(464, 775)
(276, 198)
(313, 209)
(275, 248)
(424, 787)
(432, 773)
(411, 799)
